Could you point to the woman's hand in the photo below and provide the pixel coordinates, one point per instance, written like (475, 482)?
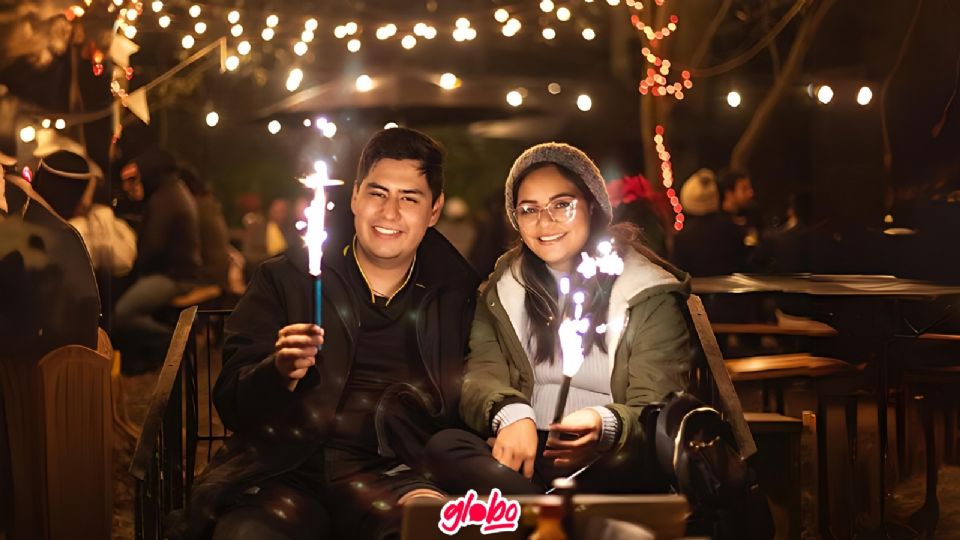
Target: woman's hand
(573, 442)
(516, 446)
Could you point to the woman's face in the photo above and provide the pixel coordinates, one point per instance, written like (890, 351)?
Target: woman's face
(554, 218)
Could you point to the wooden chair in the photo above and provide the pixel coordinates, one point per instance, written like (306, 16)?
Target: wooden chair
(58, 413)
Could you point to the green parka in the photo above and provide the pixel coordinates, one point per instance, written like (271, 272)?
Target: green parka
(647, 328)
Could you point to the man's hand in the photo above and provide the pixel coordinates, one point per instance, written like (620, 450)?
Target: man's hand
(296, 350)
(516, 446)
(587, 427)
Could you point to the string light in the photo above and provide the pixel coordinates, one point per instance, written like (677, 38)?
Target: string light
(233, 17)
(28, 134)
(501, 15)
(231, 63)
(353, 45)
(825, 94)
(553, 88)
(131, 31)
(306, 36)
(408, 42)
(588, 34)
(164, 21)
(60, 123)
(267, 34)
(449, 81)
(300, 48)
(733, 99)
(212, 118)
(352, 28)
(386, 31)
(391, 125)
(511, 28)
(200, 27)
(188, 42)
(236, 30)
(549, 33)
(311, 24)
(194, 11)
(584, 103)
(364, 83)
(294, 79)
(272, 21)
(156, 6)
(243, 47)
(514, 98)
(666, 176)
(329, 130)
(546, 6)
(274, 127)
(45, 123)
(864, 95)
(563, 14)
(130, 14)
(340, 32)
(307, 122)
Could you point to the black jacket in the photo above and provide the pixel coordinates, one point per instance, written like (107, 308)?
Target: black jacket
(168, 241)
(276, 430)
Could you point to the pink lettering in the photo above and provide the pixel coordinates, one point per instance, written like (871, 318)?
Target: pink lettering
(497, 514)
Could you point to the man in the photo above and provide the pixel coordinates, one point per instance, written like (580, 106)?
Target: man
(168, 252)
(327, 441)
(736, 193)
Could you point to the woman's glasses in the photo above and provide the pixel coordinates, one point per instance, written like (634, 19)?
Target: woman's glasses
(560, 211)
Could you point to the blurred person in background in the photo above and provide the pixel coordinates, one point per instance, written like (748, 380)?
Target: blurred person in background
(710, 244)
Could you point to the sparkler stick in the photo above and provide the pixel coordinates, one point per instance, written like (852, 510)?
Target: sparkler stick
(315, 233)
(571, 331)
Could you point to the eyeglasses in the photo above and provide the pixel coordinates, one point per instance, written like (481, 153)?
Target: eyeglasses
(559, 210)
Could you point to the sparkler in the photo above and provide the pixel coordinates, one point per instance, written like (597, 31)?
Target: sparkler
(571, 331)
(315, 234)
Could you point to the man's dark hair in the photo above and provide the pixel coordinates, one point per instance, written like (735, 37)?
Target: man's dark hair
(403, 143)
(728, 180)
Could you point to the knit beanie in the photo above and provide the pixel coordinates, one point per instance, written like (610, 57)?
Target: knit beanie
(699, 195)
(61, 179)
(560, 154)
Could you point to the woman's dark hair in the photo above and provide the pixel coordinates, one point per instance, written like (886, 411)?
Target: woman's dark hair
(541, 300)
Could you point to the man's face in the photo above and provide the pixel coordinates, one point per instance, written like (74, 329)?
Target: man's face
(742, 194)
(130, 181)
(392, 209)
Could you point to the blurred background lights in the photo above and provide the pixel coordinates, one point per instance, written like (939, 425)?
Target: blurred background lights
(734, 99)
(864, 95)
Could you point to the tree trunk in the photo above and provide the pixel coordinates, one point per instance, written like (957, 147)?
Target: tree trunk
(742, 151)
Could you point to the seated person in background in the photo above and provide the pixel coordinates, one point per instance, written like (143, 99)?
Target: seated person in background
(322, 441)
(215, 249)
(710, 244)
(168, 258)
(65, 181)
(556, 199)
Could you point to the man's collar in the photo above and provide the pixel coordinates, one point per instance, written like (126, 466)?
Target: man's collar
(353, 247)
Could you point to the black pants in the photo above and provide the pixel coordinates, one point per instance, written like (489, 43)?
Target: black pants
(355, 497)
(458, 460)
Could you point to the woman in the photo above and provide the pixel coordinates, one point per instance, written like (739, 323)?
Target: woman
(556, 199)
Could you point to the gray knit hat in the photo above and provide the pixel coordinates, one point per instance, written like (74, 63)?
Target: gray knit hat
(560, 154)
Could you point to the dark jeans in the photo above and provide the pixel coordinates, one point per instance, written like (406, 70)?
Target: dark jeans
(458, 460)
(355, 497)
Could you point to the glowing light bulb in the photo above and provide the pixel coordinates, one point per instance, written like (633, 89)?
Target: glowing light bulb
(353, 45)
(864, 95)
(28, 134)
(60, 123)
(364, 83)
(584, 103)
(213, 118)
(501, 15)
(329, 130)
(130, 31)
(352, 27)
(553, 88)
(408, 42)
(233, 17)
(45, 123)
(825, 94)
(164, 21)
(236, 30)
(156, 6)
(200, 27)
(588, 34)
(306, 36)
(549, 33)
(449, 81)
(267, 34)
(194, 11)
(274, 127)
(311, 24)
(294, 79)
(231, 63)
(243, 47)
(300, 48)
(514, 99)
(272, 21)
(340, 32)
(391, 125)
(462, 22)
(188, 42)
(563, 14)
(546, 6)
(734, 99)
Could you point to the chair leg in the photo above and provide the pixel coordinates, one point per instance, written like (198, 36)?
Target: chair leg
(809, 477)
(925, 519)
(901, 408)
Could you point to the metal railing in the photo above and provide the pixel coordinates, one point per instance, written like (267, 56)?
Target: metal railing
(180, 421)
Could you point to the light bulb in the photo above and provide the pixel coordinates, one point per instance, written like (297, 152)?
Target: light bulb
(231, 63)
(243, 47)
(28, 134)
(501, 15)
(353, 45)
(734, 99)
(213, 118)
(188, 42)
(588, 34)
(864, 95)
(408, 42)
(274, 127)
(364, 83)
(194, 11)
(272, 21)
(233, 17)
(514, 99)
(448, 81)
(584, 103)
